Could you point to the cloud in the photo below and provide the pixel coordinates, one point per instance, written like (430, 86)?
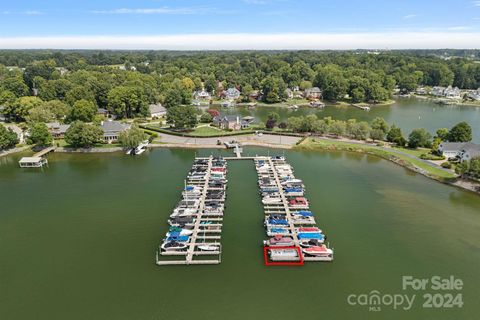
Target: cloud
(163, 10)
(476, 3)
(28, 13)
(409, 16)
(459, 28)
(252, 41)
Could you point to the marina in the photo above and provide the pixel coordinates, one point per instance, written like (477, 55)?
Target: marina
(197, 220)
(196, 223)
(288, 221)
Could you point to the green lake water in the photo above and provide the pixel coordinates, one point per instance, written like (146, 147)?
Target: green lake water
(407, 113)
(78, 240)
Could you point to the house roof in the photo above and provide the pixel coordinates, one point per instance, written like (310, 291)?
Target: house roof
(452, 146)
(229, 118)
(471, 147)
(313, 90)
(58, 127)
(114, 127)
(157, 108)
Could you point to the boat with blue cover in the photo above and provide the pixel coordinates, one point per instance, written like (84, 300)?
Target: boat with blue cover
(310, 235)
(178, 238)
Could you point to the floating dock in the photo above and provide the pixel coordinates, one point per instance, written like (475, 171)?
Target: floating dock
(274, 174)
(203, 244)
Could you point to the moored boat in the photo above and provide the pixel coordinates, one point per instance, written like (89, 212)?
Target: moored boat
(173, 246)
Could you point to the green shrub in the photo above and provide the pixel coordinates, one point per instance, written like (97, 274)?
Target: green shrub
(430, 156)
(446, 165)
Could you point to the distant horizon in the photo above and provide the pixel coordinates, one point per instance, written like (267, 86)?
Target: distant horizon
(252, 41)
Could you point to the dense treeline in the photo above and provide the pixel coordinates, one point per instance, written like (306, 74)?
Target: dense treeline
(71, 85)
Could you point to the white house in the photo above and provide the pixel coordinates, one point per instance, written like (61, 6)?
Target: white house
(451, 150)
(470, 151)
(201, 95)
(461, 150)
(453, 93)
(474, 95)
(231, 94)
(437, 91)
(157, 110)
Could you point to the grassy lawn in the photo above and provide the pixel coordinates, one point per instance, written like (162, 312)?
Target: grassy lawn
(317, 144)
(414, 152)
(206, 131)
(62, 143)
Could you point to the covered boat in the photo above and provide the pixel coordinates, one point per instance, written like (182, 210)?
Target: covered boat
(279, 240)
(284, 254)
(173, 246)
(310, 235)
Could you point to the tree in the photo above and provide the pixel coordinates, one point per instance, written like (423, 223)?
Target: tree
(182, 117)
(132, 137)
(442, 134)
(361, 130)
(338, 128)
(295, 124)
(83, 110)
(40, 114)
(419, 138)
(128, 101)
(331, 80)
(206, 118)
(273, 90)
(461, 132)
(39, 134)
(8, 138)
(358, 95)
(19, 109)
(395, 135)
(272, 119)
(83, 135)
(377, 134)
(58, 108)
(380, 124)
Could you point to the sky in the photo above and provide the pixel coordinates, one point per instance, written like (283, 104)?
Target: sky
(239, 24)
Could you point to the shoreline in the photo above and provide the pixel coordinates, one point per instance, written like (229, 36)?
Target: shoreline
(301, 144)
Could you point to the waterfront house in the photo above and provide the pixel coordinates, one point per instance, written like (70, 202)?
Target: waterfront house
(452, 93)
(112, 129)
(201, 95)
(470, 151)
(463, 151)
(231, 94)
(437, 91)
(57, 130)
(313, 93)
(474, 95)
(157, 111)
(228, 122)
(450, 150)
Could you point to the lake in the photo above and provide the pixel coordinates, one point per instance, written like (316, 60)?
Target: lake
(407, 113)
(78, 240)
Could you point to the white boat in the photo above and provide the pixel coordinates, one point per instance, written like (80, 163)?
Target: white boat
(284, 255)
(173, 246)
(141, 148)
(183, 212)
(271, 200)
(208, 247)
(292, 181)
(321, 253)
